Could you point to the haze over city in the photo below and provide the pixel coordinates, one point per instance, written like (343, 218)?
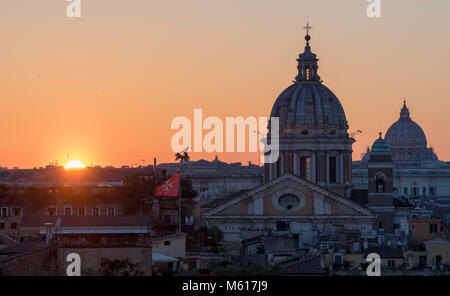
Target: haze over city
(104, 88)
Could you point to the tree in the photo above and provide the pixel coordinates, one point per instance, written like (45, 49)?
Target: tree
(182, 157)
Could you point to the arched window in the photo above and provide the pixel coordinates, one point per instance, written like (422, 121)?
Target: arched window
(379, 181)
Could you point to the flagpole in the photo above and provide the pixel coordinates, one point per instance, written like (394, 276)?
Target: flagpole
(179, 202)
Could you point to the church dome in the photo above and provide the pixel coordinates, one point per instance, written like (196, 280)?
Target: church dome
(308, 104)
(312, 138)
(380, 145)
(405, 132)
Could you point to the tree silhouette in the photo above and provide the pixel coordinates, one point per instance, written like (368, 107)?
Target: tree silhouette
(182, 157)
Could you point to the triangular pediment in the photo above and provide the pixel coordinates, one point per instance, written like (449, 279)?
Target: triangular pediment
(288, 195)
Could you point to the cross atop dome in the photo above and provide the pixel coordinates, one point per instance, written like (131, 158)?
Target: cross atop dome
(307, 28)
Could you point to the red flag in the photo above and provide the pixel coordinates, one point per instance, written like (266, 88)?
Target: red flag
(169, 187)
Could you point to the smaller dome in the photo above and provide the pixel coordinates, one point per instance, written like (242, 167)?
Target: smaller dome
(405, 132)
(380, 145)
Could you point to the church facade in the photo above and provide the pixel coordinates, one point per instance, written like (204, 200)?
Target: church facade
(288, 204)
(306, 192)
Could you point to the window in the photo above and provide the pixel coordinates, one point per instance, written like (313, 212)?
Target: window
(282, 226)
(17, 211)
(438, 259)
(433, 228)
(167, 219)
(424, 191)
(379, 181)
(432, 191)
(96, 211)
(305, 168)
(423, 261)
(81, 212)
(111, 211)
(67, 211)
(338, 259)
(332, 169)
(2, 225)
(288, 201)
(414, 191)
(51, 211)
(405, 190)
(413, 226)
(4, 212)
(167, 243)
(13, 225)
(380, 225)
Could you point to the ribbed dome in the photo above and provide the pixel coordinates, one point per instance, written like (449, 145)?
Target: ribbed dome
(405, 132)
(309, 104)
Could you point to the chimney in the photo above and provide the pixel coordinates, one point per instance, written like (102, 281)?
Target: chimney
(154, 163)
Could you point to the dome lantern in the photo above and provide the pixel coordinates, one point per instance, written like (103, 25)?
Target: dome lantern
(307, 62)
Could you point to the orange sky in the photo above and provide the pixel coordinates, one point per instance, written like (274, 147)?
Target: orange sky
(104, 88)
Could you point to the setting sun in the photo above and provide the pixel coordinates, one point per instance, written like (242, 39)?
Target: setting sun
(74, 164)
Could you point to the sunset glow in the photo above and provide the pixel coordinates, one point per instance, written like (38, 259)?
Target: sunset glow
(122, 94)
(74, 165)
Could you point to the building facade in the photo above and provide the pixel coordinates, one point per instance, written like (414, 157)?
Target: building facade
(306, 191)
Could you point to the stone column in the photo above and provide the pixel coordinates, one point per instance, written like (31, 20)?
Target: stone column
(282, 164)
(327, 168)
(341, 167)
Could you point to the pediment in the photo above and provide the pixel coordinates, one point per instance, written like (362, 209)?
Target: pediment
(288, 195)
